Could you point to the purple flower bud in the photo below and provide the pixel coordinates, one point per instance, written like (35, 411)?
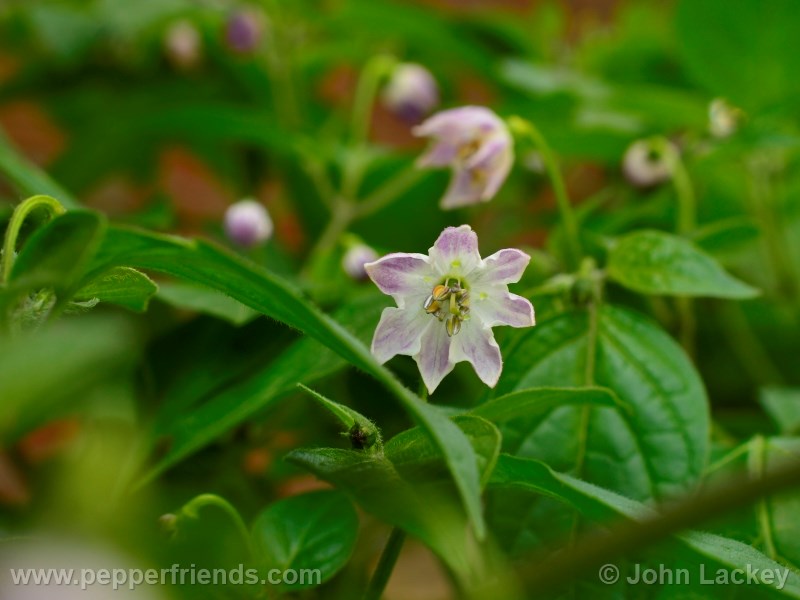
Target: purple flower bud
(183, 45)
(355, 258)
(476, 144)
(247, 223)
(411, 92)
(243, 31)
(649, 162)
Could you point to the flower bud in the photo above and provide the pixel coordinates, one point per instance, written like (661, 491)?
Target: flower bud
(355, 258)
(649, 162)
(247, 223)
(723, 118)
(183, 45)
(411, 93)
(244, 30)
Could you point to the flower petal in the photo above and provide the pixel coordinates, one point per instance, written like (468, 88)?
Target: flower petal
(464, 190)
(433, 358)
(440, 154)
(455, 251)
(402, 275)
(399, 332)
(475, 343)
(498, 173)
(502, 267)
(496, 306)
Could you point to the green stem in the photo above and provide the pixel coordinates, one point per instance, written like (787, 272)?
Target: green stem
(366, 90)
(192, 510)
(568, 218)
(385, 565)
(685, 225)
(757, 463)
(21, 213)
(390, 191)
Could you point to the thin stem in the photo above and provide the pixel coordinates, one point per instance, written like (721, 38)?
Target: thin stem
(385, 565)
(192, 509)
(599, 548)
(389, 192)
(685, 226)
(366, 90)
(568, 218)
(757, 464)
(22, 211)
(340, 221)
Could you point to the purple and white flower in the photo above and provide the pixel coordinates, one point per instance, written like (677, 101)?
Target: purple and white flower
(247, 223)
(411, 92)
(244, 30)
(183, 45)
(447, 303)
(476, 144)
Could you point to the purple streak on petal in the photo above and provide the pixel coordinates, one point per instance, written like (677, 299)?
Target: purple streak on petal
(502, 308)
(457, 245)
(433, 359)
(399, 332)
(400, 274)
(476, 344)
(498, 173)
(463, 190)
(440, 154)
(505, 266)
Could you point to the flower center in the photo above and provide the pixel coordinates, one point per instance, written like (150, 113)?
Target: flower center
(449, 302)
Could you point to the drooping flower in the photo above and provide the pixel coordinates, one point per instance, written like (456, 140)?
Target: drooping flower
(411, 93)
(649, 162)
(247, 223)
(476, 144)
(447, 303)
(355, 258)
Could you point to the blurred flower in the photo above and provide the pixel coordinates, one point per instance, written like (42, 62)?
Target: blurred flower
(447, 304)
(244, 30)
(355, 258)
(723, 118)
(247, 223)
(411, 92)
(476, 144)
(183, 45)
(649, 162)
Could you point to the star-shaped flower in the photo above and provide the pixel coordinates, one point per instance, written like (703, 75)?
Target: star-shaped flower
(477, 145)
(447, 304)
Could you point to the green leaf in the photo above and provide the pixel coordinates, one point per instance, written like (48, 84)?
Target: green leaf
(654, 262)
(315, 531)
(364, 434)
(27, 177)
(122, 286)
(45, 374)
(658, 447)
(253, 286)
(537, 402)
(57, 254)
(783, 406)
(742, 50)
(202, 299)
(190, 428)
(603, 505)
(425, 510)
(416, 458)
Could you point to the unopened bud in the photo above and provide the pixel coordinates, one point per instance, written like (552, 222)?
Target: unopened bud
(649, 162)
(247, 223)
(411, 93)
(244, 31)
(723, 118)
(183, 45)
(355, 258)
